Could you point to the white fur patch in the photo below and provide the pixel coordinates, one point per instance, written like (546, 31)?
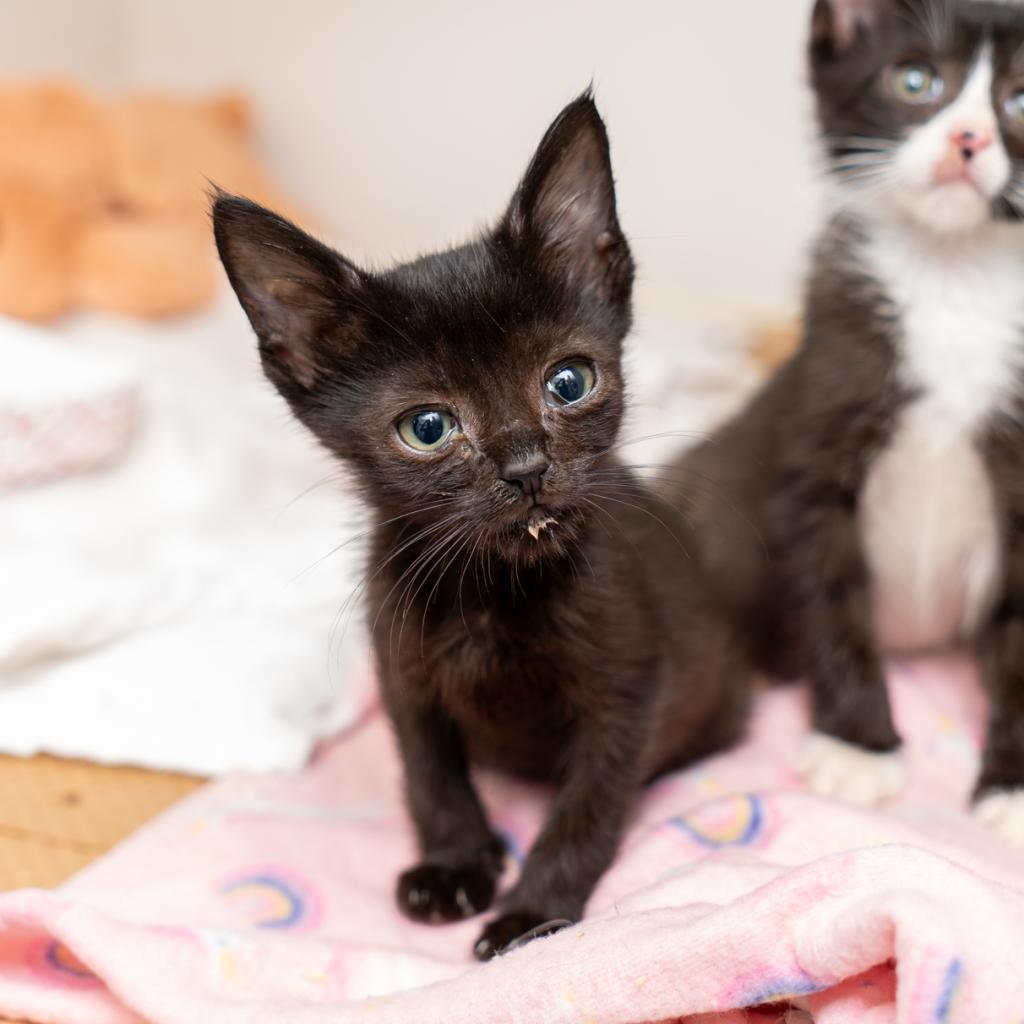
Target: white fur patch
(927, 513)
(960, 205)
(836, 769)
(1004, 814)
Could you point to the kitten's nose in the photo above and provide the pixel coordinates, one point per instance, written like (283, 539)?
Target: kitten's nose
(970, 141)
(527, 475)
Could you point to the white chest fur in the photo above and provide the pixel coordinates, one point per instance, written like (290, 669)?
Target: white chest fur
(927, 512)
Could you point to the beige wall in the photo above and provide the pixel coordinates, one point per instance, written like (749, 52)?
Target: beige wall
(407, 123)
(61, 38)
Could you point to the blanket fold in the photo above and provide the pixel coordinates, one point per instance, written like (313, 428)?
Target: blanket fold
(736, 898)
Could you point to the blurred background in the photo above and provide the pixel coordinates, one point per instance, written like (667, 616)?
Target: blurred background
(181, 565)
(402, 125)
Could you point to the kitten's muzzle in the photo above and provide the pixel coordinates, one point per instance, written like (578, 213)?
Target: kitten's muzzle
(527, 475)
(970, 142)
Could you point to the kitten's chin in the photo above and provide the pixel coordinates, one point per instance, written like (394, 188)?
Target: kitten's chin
(944, 210)
(542, 534)
(951, 209)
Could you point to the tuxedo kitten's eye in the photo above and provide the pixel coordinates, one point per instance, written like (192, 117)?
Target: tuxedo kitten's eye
(571, 383)
(916, 83)
(426, 431)
(1014, 106)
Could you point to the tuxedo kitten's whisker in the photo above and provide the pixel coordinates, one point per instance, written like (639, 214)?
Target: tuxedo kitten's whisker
(867, 168)
(1013, 196)
(861, 142)
(864, 153)
(859, 186)
(861, 163)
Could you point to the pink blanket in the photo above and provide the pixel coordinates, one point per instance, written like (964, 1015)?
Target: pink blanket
(270, 899)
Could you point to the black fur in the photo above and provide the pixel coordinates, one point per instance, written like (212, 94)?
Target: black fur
(584, 655)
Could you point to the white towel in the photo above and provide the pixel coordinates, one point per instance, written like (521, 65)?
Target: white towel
(61, 411)
(172, 611)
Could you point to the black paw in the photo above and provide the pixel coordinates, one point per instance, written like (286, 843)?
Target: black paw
(433, 893)
(510, 931)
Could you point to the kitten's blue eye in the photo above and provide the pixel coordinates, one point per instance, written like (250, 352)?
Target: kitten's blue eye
(570, 383)
(916, 83)
(1014, 106)
(426, 431)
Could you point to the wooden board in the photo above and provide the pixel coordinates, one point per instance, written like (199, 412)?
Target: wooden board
(57, 816)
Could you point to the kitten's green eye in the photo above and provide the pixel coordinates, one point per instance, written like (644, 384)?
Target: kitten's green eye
(1014, 106)
(427, 431)
(570, 383)
(916, 83)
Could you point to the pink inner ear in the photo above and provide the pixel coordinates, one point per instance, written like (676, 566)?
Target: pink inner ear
(848, 15)
(297, 358)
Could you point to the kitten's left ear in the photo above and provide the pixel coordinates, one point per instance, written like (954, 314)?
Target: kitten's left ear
(836, 23)
(298, 293)
(564, 208)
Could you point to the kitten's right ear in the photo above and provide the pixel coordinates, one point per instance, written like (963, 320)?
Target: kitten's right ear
(296, 291)
(836, 23)
(564, 209)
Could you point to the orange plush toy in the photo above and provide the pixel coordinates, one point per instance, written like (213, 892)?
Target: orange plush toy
(103, 203)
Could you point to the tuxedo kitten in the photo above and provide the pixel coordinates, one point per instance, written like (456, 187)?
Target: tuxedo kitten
(533, 607)
(872, 496)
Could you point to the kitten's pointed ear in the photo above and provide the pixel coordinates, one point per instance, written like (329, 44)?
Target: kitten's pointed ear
(564, 208)
(296, 291)
(836, 23)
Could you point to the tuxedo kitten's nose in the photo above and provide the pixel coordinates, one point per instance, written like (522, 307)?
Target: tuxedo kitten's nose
(970, 142)
(527, 475)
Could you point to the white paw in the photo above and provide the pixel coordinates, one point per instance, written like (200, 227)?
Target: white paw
(833, 768)
(1004, 814)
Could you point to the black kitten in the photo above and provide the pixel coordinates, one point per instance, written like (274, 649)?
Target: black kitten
(872, 497)
(532, 606)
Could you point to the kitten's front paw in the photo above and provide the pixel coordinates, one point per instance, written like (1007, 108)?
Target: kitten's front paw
(1003, 812)
(512, 930)
(836, 769)
(433, 893)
